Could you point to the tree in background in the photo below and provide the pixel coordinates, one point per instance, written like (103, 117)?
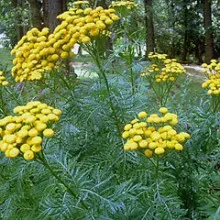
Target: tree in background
(51, 9)
(14, 19)
(19, 29)
(36, 13)
(18, 16)
(186, 29)
(208, 30)
(149, 23)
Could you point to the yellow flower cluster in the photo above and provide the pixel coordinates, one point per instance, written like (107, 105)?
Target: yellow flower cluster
(84, 25)
(39, 51)
(3, 80)
(151, 69)
(213, 67)
(23, 134)
(158, 56)
(80, 3)
(154, 134)
(171, 71)
(163, 70)
(213, 82)
(106, 33)
(34, 54)
(128, 4)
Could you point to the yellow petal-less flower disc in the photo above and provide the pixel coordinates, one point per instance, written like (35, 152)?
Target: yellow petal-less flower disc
(36, 140)
(163, 110)
(36, 148)
(25, 147)
(178, 147)
(48, 133)
(14, 152)
(28, 155)
(142, 114)
(148, 153)
(159, 150)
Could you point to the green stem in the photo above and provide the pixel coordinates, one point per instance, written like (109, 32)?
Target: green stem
(157, 170)
(156, 192)
(131, 71)
(110, 97)
(43, 161)
(12, 94)
(96, 58)
(166, 93)
(67, 85)
(215, 103)
(2, 103)
(155, 90)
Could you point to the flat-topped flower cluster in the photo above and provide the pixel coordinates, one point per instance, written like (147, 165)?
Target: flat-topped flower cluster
(41, 51)
(127, 4)
(154, 134)
(163, 69)
(23, 134)
(213, 82)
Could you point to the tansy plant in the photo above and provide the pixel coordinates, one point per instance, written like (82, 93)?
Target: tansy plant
(23, 134)
(162, 74)
(154, 134)
(213, 82)
(125, 9)
(123, 6)
(39, 51)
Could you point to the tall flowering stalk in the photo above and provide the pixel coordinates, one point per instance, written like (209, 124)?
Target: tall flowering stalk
(154, 135)
(123, 8)
(213, 83)
(39, 52)
(162, 74)
(92, 49)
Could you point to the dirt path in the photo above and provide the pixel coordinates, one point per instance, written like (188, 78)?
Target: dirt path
(195, 71)
(86, 70)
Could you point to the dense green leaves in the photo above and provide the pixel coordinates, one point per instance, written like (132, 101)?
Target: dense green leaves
(87, 154)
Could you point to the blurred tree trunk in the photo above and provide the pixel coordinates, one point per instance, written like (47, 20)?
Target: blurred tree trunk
(186, 38)
(199, 42)
(36, 15)
(19, 29)
(173, 49)
(199, 50)
(102, 3)
(51, 9)
(208, 30)
(150, 42)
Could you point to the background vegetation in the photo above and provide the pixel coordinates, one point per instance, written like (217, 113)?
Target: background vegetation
(187, 29)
